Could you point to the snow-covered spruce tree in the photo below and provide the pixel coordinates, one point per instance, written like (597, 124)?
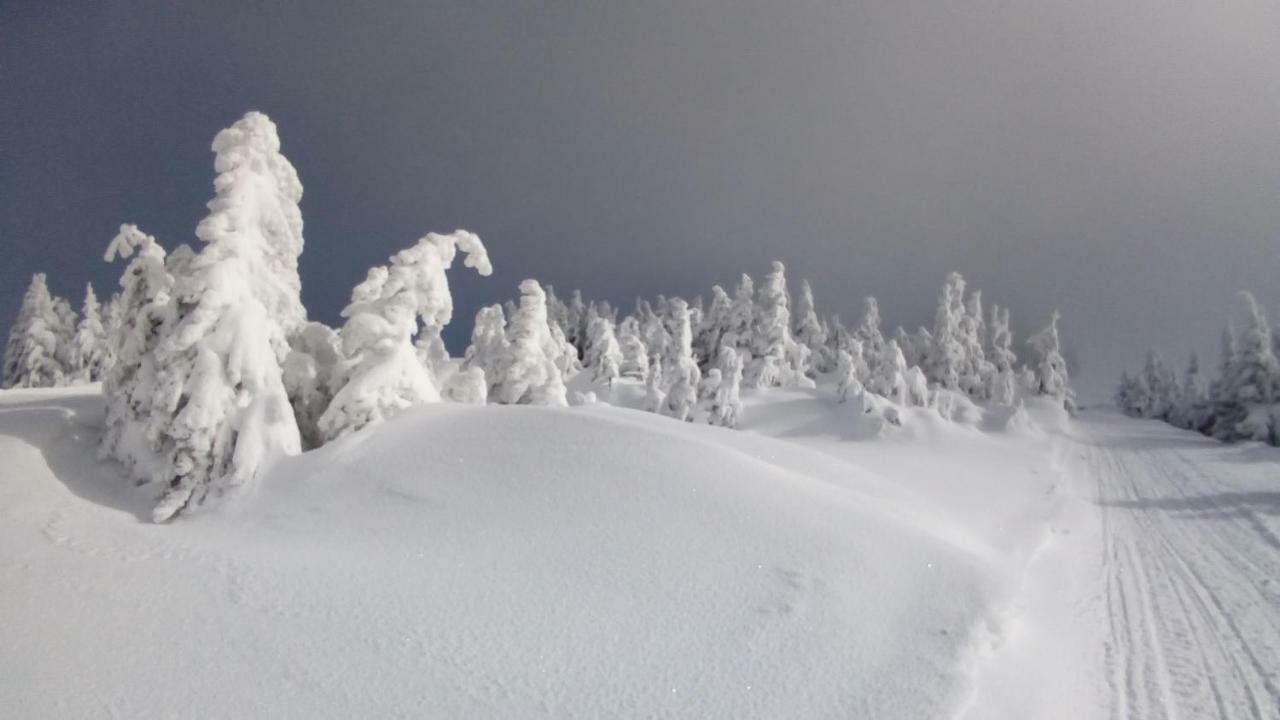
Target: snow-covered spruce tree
(1161, 386)
(655, 397)
(226, 413)
(1189, 411)
(706, 341)
(603, 355)
(679, 366)
(869, 333)
(1003, 382)
(726, 408)
(846, 376)
(975, 378)
(68, 321)
(635, 356)
(576, 321)
(739, 327)
(557, 310)
(489, 349)
(917, 387)
(144, 314)
(653, 330)
(383, 372)
(88, 346)
(563, 353)
(31, 357)
(1050, 368)
(1131, 396)
(313, 373)
(531, 375)
(808, 330)
(945, 359)
(1251, 387)
(467, 386)
(890, 377)
(775, 361)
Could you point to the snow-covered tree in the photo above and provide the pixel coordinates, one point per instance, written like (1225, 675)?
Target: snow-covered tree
(1132, 397)
(531, 375)
(313, 372)
(1161, 387)
(144, 314)
(66, 333)
(890, 377)
(975, 377)
(1003, 381)
(89, 346)
(679, 367)
(1050, 369)
(1251, 385)
(603, 355)
(946, 359)
(384, 372)
(808, 330)
(846, 376)
(31, 357)
(635, 356)
(772, 353)
(869, 333)
(467, 386)
(739, 327)
(220, 387)
(489, 349)
(1190, 409)
(655, 397)
(726, 408)
(706, 341)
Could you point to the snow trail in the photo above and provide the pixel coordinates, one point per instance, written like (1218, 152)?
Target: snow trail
(1191, 567)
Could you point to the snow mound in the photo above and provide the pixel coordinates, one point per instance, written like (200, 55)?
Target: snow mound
(498, 561)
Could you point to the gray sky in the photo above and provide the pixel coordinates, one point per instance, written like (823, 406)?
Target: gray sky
(1117, 160)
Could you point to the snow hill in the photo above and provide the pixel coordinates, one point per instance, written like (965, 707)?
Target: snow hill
(511, 561)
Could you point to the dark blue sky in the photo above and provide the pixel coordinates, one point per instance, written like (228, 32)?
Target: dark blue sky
(1118, 160)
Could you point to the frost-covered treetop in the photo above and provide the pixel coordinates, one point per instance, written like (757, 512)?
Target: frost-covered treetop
(254, 214)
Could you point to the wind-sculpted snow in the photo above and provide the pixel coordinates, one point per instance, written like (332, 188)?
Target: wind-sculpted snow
(465, 561)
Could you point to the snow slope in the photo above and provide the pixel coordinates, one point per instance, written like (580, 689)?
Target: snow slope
(521, 562)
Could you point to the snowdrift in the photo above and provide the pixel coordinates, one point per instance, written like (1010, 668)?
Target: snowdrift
(499, 561)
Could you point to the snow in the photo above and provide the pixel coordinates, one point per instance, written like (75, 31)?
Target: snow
(520, 561)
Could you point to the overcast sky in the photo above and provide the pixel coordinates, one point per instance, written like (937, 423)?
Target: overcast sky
(1117, 160)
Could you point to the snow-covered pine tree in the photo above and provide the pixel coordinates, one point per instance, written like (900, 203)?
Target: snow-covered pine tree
(774, 358)
(1050, 368)
(1161, 386)
(1252, 386)
(890, 377)
(846, 376)
(604, 355)
(221, 391)
(467, 386)
(66, 332)
(975, 379)
(88, 347)
(383, 372)
(679, 366)
(313, 373)
(635, 356)
(576, 321)
(869, 333)
(1003, 382)
(808, 330)
(531, 375)
(945, 360)
(655, 397)
(706, 341)
(144, 314)
(31, 357)
(739, 327)
(1189, 411)
(726, 408)
(489, 349)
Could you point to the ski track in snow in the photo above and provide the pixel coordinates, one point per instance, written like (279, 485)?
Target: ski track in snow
(1191, 574)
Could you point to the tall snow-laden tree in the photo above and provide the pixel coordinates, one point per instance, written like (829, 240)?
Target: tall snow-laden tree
(869, 333)
(66, 333)
(890, 377)
(808, 330)
(1051, 376)
(1131, 396)
(679, 365)
(144, 313)
(1004, 376)
(846, 376)
(1189, 410)
(604, 355)
(975, 377)
(706, 341)
(739, 327)
(31, 357)
(635, 356)
(1252, 384)
(1161, 386)
(726, 408)
(655, 397)
(384, 373)
(771, 348)
(945, 360)
(88, 347)
(489, 350)
(221, 392)
(531, 375)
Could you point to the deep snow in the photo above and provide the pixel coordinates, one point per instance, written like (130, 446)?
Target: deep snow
(594, 562)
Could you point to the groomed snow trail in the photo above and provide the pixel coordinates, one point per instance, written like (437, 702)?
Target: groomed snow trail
(1190, 564)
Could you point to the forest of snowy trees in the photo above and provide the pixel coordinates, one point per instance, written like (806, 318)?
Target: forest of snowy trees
(1240, 402)
(210, 367)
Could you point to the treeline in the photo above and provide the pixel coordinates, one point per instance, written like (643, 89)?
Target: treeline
(211, 369)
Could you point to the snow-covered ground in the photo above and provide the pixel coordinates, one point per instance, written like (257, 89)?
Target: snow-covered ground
(601, 562)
